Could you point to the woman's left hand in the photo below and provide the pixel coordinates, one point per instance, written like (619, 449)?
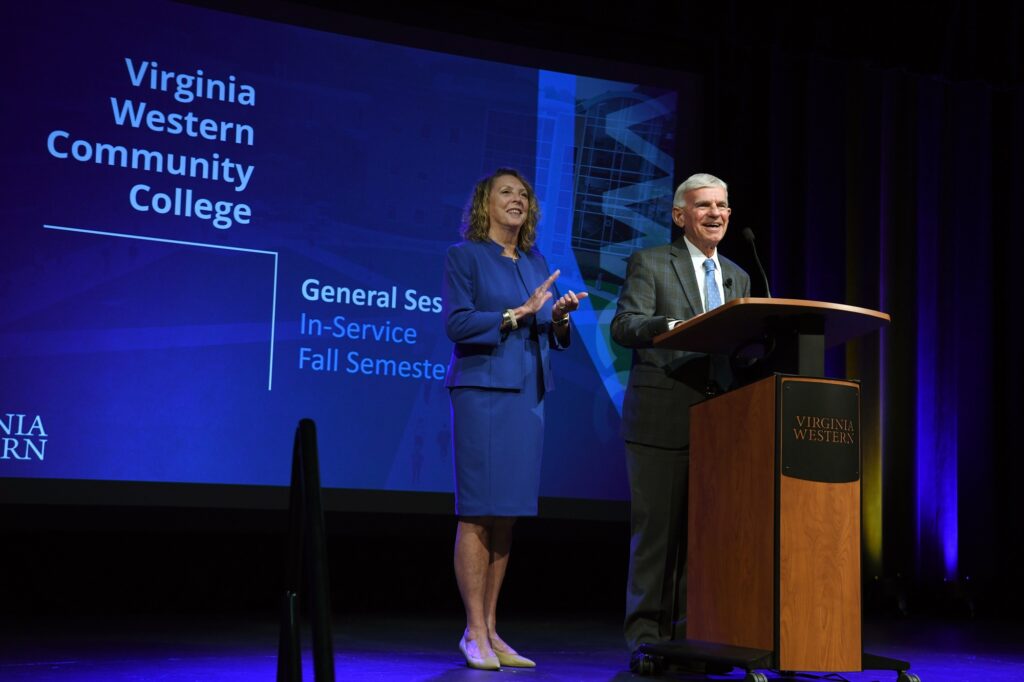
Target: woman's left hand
(567, 303)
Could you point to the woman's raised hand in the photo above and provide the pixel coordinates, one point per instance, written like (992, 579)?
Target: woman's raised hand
(540, 295)
(567, 303)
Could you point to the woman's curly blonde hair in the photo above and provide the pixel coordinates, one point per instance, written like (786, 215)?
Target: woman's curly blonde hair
(477, 222)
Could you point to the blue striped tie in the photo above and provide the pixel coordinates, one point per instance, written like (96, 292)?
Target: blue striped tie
(711, 286)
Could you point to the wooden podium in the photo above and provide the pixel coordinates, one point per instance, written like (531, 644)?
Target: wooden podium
(774, 570)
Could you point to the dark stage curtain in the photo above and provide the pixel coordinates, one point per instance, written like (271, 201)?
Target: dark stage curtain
(898, 191)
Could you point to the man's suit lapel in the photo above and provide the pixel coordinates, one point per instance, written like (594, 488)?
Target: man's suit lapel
(684, 271)
(729, 271)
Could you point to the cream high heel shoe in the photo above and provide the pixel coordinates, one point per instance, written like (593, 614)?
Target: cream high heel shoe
(478, 662)
(512, 660)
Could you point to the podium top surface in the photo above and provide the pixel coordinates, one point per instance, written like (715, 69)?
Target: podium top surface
(743, 319)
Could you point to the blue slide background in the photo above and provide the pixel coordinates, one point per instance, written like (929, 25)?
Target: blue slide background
(144, 347)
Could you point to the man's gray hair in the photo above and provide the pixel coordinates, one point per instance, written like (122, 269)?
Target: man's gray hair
(697, 181)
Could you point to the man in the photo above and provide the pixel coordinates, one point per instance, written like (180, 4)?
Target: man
(666, 285)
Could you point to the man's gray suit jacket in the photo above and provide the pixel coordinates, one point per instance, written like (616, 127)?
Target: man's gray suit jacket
(661, 285)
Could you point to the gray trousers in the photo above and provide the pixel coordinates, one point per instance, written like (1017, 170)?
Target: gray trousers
(656, 587)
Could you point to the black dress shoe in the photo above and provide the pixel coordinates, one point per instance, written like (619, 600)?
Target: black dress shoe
(645, 664)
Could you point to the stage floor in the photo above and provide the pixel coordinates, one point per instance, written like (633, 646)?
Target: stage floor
(420, 648)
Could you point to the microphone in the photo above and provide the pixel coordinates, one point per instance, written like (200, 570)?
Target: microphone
(728, 282)
(748, 234)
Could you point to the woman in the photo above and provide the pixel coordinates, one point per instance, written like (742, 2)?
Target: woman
(500, 315)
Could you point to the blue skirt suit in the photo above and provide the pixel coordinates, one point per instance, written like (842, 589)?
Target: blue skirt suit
(496, 379)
